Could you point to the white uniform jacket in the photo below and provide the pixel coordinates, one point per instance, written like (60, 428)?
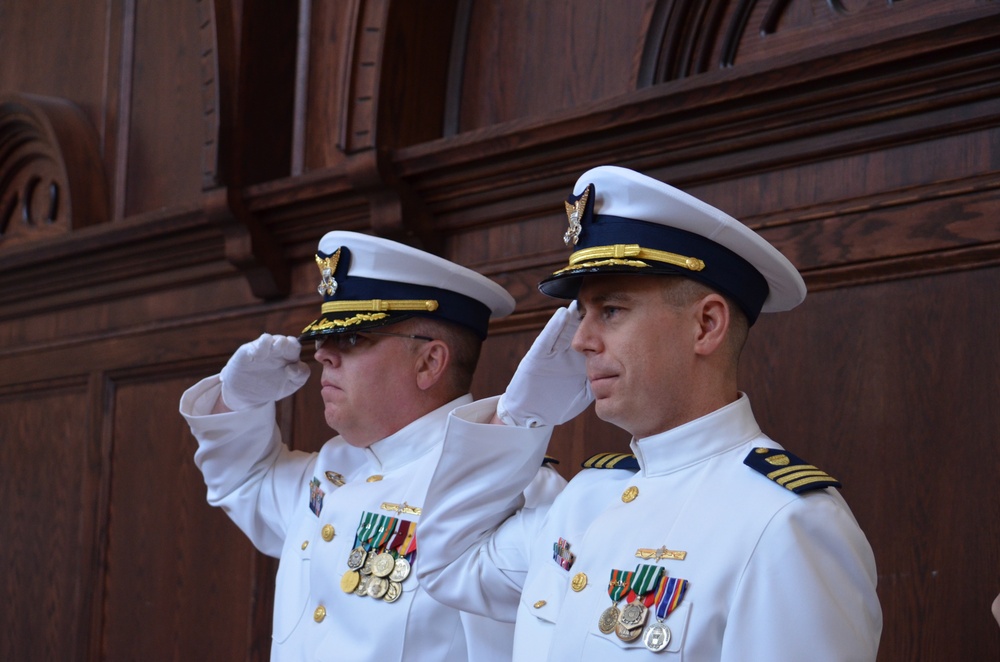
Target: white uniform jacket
(306, 508)
(772, 575)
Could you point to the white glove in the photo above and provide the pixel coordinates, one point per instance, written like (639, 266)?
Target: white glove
(265, 370)
(550, 384)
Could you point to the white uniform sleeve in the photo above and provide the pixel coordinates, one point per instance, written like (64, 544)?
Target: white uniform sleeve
(487, 638)
(808, 592)
(474, 533)
(247, 469)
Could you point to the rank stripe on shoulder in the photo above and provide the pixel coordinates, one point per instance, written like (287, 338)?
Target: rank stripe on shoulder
(548, 459)
(611, 461)
(788, 470)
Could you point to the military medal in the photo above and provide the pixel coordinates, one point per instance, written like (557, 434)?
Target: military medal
(407, 550)
(625, 634)
(356, 560)
(657, 637)
(375, 531)
(383, 562)
(401, 567)
(633, 615)
(669, 594)
(349, 581)
(377, 587)
(394, 591)
(383, 565)
(362, 588)
(617, 586)
(400, 570)
(608, 620)
(358, 555)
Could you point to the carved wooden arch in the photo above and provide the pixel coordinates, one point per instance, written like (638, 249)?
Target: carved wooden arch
(393, 92)
(51, 174)
(688, 37)
(234, 155)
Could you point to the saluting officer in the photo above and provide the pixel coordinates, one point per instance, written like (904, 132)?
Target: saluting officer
(398, 341)
(708, 541)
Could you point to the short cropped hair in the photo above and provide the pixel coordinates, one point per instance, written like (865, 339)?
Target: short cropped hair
(680, 292)
(464, 345)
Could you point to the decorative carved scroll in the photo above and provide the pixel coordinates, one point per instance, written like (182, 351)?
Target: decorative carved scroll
(688, 37)
(249, 246)
(51, 174)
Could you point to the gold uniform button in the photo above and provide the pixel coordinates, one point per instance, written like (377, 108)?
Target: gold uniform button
(305, 543)
(328, 532)
(319, 614)
(579, 582)
(374, 479)
(540, 604)
(630, 493)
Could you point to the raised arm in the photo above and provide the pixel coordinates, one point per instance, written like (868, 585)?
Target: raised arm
(475, 533)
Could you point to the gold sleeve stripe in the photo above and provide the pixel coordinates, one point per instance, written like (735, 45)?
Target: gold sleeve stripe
(605, 460)
(777, 473)
(792, 481)
(809, 481)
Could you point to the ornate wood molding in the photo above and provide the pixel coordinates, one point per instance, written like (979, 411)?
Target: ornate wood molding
(51, 175)
(368, 58)
(248, 244)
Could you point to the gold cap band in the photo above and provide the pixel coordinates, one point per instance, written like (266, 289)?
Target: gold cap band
(379, 305)
(617, 254)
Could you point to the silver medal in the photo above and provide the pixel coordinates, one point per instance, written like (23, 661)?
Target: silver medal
(657, 637)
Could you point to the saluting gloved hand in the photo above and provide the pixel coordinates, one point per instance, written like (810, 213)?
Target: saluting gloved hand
(265, 370)
(550, 384)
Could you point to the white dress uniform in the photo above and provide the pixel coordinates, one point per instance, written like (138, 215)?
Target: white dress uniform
(771, 575)
(306, 508)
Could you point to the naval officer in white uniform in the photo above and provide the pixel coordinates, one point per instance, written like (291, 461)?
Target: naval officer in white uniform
(398, 341)
(704, 540)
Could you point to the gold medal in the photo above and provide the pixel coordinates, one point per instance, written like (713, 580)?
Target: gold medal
(394, 591)
(349, 581)
(608, 620)
(377, 587)
(400, 570)
(383, 565)
(625, 634)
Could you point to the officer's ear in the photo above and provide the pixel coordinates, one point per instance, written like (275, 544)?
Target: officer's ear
(713, 317)
(432, 361)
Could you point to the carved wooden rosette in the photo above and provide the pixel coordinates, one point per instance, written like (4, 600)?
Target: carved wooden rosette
(51, 175)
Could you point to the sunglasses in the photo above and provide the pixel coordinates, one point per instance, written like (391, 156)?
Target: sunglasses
(346, 341)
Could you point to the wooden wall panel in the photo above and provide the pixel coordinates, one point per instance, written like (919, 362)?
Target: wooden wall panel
(861, 137)
(591, 51)
(172, 560)
(47, 481)
(890, 387)
(165, 127)
(60, 51)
